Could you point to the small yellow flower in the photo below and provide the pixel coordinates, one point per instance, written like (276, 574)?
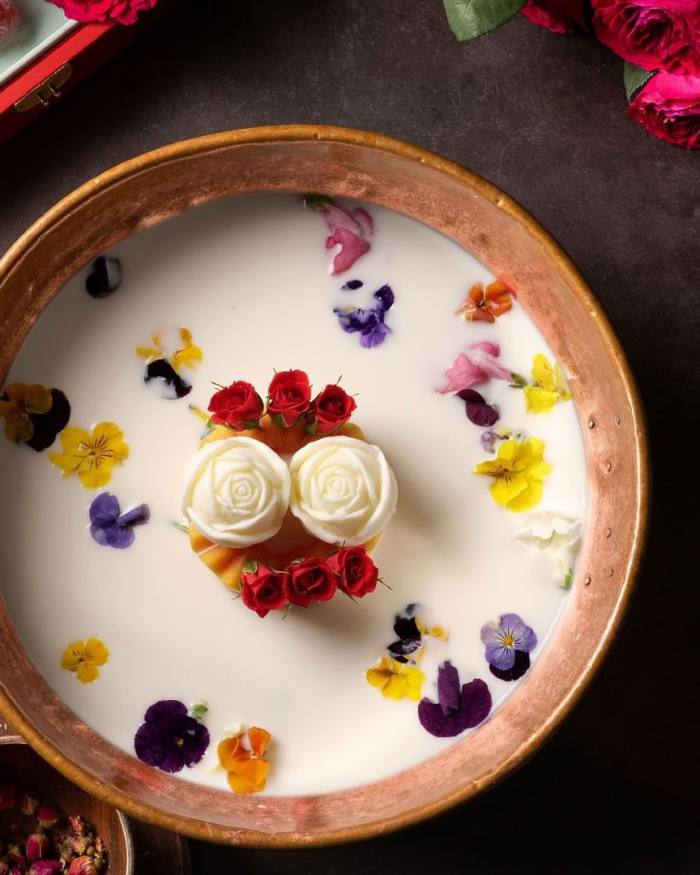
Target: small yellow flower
(433, 631)
(549, 386)
(519, 471)
(85, 658)
(91, 454)
(189, 355)
(17, 402)
(396, 681)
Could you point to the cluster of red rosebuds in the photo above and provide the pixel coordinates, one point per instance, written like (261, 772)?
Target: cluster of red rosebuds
(349, 569)
(289, 402)
(33, 843)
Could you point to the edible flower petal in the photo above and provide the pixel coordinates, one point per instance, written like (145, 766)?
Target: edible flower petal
(396, 681)
(84, 658)
(475, 366)
(109, 527)
(485, 305)
(456, 709)
(505, 639)
(17, 404)
(557, 535)
(169, 738)
(242, 756)
(477, 409)
(519, 471)
(549, 387)
(350, 230)
(91, 454)
(368, 321)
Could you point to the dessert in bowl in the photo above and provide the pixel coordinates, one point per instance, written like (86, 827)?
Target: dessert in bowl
(485, 401)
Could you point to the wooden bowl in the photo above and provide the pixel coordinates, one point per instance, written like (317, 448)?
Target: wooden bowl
(501, 234)
(21, 765)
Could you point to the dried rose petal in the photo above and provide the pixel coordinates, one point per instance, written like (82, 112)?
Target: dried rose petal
(28, 802)
(48, 815)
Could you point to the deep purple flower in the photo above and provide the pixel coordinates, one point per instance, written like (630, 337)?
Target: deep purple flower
(479, 411)
(368, 321)
(504, 640)
(456, 709)
(110, 527)
(408, 635)
(169, 738)
(385, 298)
(352, 285)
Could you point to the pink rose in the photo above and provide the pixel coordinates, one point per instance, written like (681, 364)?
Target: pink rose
(559, 16)
(123, 11)
(669, 108)
(652, 34)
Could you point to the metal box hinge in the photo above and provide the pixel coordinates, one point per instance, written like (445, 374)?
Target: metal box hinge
(47, 92)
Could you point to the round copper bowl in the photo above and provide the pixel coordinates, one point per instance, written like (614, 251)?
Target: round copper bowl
(478, 216)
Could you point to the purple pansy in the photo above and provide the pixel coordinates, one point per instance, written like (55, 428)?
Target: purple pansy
(408, 635)
(169, 738)
(112, 528)
(508, 645)
(352, 285)
(368, 321)
(456, 709)
(478, 410)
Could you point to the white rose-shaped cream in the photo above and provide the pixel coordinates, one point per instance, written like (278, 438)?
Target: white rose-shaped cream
(343, 490)
(236, 491)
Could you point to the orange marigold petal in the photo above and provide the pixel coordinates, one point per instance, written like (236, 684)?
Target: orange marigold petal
(259, 740)
(230, 751)
(248, 776)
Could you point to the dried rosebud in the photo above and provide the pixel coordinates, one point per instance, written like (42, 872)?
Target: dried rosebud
(4, 868)
(8, 794)
(17, 870)
(83, 866)
(27, 802)
(45, 867)
(77, 825)
(15, 857)
(79, 845)
(48, 815)
(36, 846)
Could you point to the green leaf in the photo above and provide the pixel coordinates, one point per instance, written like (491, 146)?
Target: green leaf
(472, 18)
(635, 78)
(199, 710)
(250, 566)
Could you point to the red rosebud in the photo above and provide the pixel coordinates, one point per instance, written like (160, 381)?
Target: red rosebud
(48, 815)
(238, 406)
(357, 573)
(559, 16)
(310, 580)
(331, 408)
(36, 846)
(289, 397)
(264, 590)
(83, 866)
(669, 108)
(4, 868)
(123, 11)
(27, 802)
(15, 857)
(45, 867)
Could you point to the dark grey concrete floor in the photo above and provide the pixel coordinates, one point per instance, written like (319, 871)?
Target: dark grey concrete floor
(542, 116)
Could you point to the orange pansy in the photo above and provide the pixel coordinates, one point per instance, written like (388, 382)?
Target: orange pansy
(484, 305)
(242, 757)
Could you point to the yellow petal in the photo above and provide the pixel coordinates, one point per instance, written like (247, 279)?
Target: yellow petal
(510, 450)
(539, 400)
(543, 373)
(74, 440)
(506, 489)
(19, 429)
(528, 498)
(377, 678)
(86, 672)
(414, 678)
(72, 656)
(488, 467)
(396, 688)
(562, 386)
(95, 476)
(96, 652)
(39, 399)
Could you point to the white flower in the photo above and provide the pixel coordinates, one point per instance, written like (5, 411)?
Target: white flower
(343, 490)
(236, 492)
(557, 535)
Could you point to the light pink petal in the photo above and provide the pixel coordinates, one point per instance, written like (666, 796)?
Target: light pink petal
(363, 218)
(462, 375)
(339, 219)
(487, 346)
(484, 360)
(351, 248)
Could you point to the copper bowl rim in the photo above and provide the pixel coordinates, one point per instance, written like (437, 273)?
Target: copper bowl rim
(303, 133)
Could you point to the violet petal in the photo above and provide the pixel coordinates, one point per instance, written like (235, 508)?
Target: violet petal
(104, 510)
(474, 708)
(172, 384)
(164, 709)
(137, 516)
(385, 296)
(352, 285)
(500, 655)
(48, 425)
(521, 664)
(118, 536)
(471, 396)
(481, 414)
(448, 687)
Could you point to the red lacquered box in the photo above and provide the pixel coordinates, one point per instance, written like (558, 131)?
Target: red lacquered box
(53, 56)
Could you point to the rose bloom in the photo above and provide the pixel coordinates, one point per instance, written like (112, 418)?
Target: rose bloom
(264, 590)
(122, 11)
(357, 573)
(559, 16)
(331, 409)
(669, 108)
(653, 34)
(239, 406)
(310, 580)
(289, 396)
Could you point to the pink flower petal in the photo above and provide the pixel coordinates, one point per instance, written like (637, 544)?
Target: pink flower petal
(339, 219)
(351, 248)
(364, 220)
(475, 367)
(488, 363)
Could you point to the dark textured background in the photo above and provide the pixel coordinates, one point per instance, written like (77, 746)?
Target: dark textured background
(542, 116)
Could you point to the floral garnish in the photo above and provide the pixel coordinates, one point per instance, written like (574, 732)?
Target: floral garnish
(310, 580)
(198, 710)
(263, 589)
(330, 409)
(508, 646)
(33, 415)
(475, 366)
(408, 634)
(555, 534)
(237, 406)
(112, 528)
(396, 681)
(105, 276)
(549, 386)
(485, 305)
(85, 658)
(169, 738)
(357, 575)
(368, 321)
(352, 285)
(350, 230)
(490, 438)
(288, 397)
(243, 758)
(166, 369)
(91, 454)
(456, 709)
(478, 411)
(519, 471)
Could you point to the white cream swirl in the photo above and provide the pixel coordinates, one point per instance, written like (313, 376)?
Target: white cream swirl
(343, 490)
(236, 491)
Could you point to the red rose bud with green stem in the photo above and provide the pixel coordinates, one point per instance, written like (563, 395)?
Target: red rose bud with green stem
(357, 573)
(37, 846)
(289, 397)
(311, 580)
(237, 406)
(330, 409)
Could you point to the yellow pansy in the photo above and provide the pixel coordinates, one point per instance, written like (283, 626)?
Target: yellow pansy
(189, 354)
(396, 681)
(519, 471)
(549, 386)
(85, 658)
(91, 454)
(433, 631)
(17, 402)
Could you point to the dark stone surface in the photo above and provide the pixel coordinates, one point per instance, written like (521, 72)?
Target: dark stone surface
(542, 116)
